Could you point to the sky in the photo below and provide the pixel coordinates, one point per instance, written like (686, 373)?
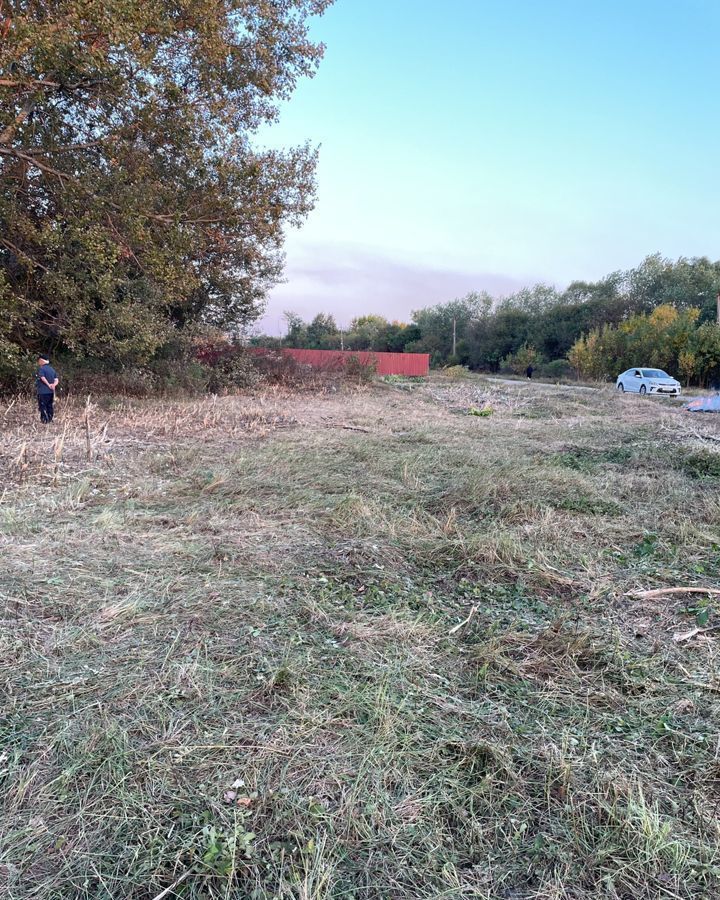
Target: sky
(491, 144)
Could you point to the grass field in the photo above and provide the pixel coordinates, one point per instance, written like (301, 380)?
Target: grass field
(361, 644)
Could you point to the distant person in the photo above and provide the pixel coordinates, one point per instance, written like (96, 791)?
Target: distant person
(529, 371)
(47, 381)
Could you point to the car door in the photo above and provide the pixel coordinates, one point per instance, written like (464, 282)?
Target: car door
(636, 381)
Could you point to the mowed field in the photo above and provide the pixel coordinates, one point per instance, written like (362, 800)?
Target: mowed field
(361, 644)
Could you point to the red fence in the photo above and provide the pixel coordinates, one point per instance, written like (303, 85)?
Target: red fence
(387, 363)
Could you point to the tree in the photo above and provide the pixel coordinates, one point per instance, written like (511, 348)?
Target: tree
(706, 347)
(520, 361)
(365, 332)
(441, 324)
(687, 366)
(397, 337)
(132, 201)
(323, 333)
(297, 331)
(666, 338)
(683, 283)
(491, 339)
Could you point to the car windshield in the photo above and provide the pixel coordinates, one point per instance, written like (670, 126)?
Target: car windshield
(654, 373)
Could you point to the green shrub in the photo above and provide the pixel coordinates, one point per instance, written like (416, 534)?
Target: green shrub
(362, 372)
(556, 370)
(234, 372)
(16, 371)
(701, 464)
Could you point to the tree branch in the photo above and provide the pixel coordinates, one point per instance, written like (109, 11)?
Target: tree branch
(31, 82)
(18, 252)
(39, 151)
(19, 154)
(8, 132)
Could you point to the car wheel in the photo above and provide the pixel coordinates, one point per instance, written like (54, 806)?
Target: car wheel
(643, 389)
(621, 388)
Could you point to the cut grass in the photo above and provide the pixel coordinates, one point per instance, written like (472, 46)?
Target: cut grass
(265, 655)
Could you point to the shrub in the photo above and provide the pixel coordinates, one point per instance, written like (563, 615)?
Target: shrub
(556, 370)
(16, 370)
(278, 368)
(362, 372)
(518, 362)
(234, 371)
(455, 372)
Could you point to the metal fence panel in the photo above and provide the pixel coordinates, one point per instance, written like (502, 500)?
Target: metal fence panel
(412, 364)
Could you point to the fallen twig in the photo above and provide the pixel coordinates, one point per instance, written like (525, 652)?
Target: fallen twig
(663, 592)
(701, 435)
(687, 635)
(459, 625)
(172, 887)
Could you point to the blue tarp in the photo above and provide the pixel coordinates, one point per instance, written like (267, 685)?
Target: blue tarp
(704, 404)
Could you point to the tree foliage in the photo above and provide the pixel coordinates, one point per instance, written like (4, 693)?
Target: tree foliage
(438, 324)
(667, 338)
(369, 332)
(133, 203)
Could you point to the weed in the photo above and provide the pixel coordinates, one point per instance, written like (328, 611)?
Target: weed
(360, 371)
(700, 464)
(587, 459)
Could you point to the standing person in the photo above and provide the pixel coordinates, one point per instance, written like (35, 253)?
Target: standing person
(529, 371)
(47, 381)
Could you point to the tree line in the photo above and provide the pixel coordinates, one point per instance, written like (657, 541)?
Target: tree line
(662, 313)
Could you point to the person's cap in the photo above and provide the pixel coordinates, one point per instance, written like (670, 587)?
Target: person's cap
(44, 357)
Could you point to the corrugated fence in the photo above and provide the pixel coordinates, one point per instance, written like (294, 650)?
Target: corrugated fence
(413, 364)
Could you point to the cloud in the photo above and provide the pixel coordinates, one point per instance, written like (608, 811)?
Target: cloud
(349, 282)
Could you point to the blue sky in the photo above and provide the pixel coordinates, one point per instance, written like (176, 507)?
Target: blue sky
(480, 144)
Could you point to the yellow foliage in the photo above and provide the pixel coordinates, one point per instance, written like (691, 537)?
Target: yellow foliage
(687, 364)
(663, 316)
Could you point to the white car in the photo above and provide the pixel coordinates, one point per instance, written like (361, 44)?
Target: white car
(648, 381)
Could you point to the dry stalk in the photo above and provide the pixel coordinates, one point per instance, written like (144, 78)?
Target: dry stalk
(88, 440)
(58, 447)
(21, 460)
(663, 592)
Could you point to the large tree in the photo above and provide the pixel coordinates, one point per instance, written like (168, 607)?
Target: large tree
(133, 200)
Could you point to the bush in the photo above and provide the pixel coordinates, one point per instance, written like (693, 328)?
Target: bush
(556, 370)
(517, 363)
(455, 372)
(168, 375)
(362, 372)
(278, 368)
(16, 370)
(232, 372)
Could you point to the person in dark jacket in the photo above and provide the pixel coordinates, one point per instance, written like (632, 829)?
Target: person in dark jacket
(47, 380)
(529, 371)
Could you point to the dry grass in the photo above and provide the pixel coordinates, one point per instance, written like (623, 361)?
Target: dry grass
(360, 645)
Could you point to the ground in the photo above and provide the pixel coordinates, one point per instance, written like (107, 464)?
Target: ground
(374, 642)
